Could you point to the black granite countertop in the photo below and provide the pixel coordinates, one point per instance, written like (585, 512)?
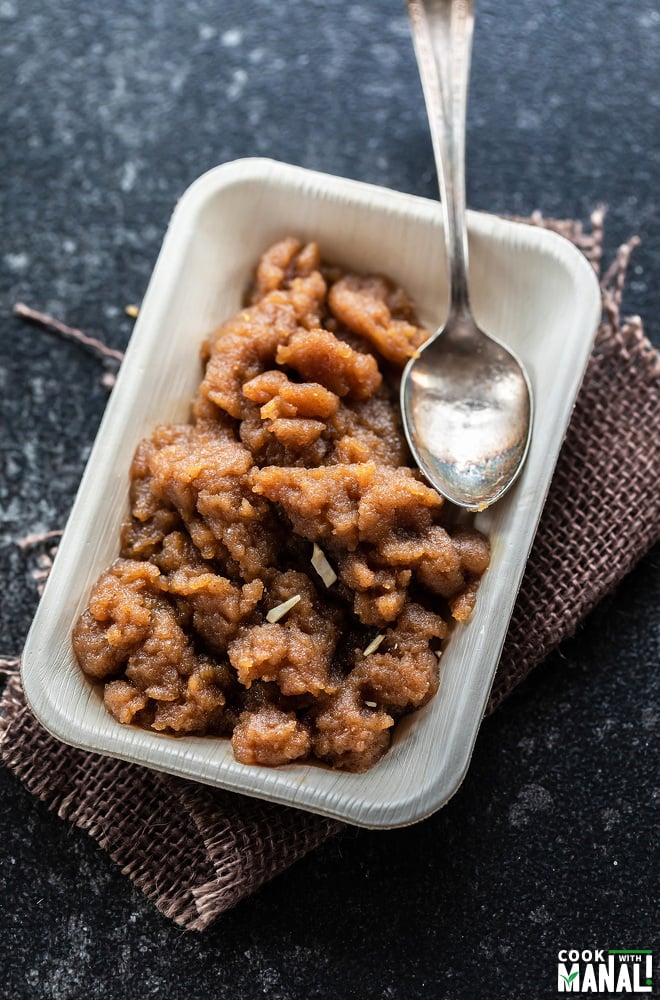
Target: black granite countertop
(108, 113)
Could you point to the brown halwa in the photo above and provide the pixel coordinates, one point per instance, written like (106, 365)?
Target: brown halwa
(286, 577)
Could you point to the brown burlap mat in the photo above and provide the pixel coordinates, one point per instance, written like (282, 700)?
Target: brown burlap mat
(196, 851)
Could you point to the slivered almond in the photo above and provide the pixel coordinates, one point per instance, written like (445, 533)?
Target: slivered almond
(322, 566)
(373, 645)
(280, 610)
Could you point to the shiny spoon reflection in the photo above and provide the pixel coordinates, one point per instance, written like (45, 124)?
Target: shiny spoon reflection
(465, 399)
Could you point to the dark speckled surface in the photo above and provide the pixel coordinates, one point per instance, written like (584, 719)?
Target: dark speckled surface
(108, 112)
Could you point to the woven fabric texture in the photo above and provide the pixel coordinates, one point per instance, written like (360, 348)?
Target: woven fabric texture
(196, 851)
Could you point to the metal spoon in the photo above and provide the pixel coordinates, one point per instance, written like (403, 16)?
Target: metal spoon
(465, 399)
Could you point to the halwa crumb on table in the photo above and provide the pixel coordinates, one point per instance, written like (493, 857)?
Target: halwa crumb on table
(286, 578)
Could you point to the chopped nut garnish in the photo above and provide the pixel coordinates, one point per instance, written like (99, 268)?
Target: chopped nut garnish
(280, 610)
(322, 566)
(373, 645)
(132, 311)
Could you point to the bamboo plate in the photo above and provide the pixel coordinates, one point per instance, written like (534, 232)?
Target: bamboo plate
(530, 287)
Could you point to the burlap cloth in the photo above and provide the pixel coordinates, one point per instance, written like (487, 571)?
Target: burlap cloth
(196, 851)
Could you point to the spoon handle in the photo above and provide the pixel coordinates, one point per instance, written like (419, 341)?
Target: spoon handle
(442, 37)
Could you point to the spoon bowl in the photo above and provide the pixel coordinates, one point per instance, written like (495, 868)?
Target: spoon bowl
(467, 413)
(466, 401)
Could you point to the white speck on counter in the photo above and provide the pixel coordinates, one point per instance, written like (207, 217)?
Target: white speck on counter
(237, 85)
(128, 176)
(17, 262)
(231, 38)
(528, 120)
(650, 19)
(531, 799)
(178, 78)
(540, 915)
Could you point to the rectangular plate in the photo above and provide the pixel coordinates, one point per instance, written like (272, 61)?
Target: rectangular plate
(531, 288)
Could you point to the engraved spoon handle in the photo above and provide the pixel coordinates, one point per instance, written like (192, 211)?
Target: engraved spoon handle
(442, 37)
